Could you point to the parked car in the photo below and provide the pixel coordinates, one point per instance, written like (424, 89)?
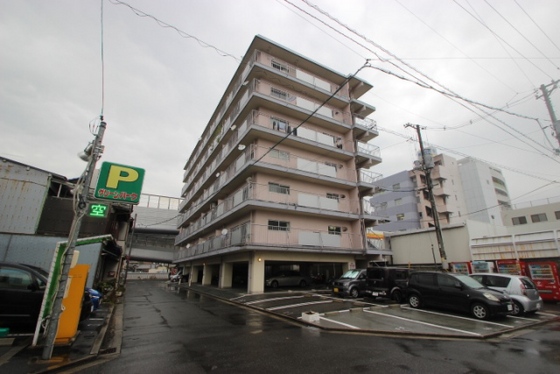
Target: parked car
(287, 278)
(21, 292)
(22, 288)
(353, 283)
(386, 281)
(521, 289)
(456, 292)
(380, 281)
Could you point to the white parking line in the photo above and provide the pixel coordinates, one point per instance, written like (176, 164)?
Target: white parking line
(296, 305)
(458, 317)
(339, 323)
(274, 299)
(424, 323)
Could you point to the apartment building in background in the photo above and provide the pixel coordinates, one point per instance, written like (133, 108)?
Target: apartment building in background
(463, 189)
(279, 177)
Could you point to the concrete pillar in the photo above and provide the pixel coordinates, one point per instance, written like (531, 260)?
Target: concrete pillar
(255, 283)
(194, 275)
(207, 275)
(226, 275)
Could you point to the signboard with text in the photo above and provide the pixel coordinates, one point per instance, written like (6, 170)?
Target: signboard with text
(119, 183)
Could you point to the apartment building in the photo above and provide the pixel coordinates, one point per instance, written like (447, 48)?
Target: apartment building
(485, 191)
(278, 178)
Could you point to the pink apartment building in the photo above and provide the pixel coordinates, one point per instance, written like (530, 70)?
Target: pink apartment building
(279, 177)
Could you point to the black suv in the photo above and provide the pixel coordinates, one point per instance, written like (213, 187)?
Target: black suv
(375, 282)
(456, 292)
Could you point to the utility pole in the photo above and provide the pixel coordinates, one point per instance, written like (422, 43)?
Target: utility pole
(555, 122)
(82, 189)
(428, 171)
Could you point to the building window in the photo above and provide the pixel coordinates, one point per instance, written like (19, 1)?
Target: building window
(400, 217)
(332, 164)
(335, 230)
(278, 93)
(281, 155)
(278, 225)
(279, 66)
(398, 201)
(541, 217)
(333, 196)
(396, 186)
(279, 124)
(278, 188)
(557, 214)
(519, 220)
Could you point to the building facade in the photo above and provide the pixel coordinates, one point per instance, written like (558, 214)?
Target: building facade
(278, 178)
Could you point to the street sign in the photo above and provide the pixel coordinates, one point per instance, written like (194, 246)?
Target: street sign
(119, 183)
(98, 210)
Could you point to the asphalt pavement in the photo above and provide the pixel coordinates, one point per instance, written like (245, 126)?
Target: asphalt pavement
(100, 336)
(97, 335)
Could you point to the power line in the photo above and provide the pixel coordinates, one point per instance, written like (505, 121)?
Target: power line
(446, 92)
(181, 33)
(536, 24)
(523, 36)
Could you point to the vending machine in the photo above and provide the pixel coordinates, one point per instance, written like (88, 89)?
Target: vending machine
(461, 267)
(512, 267)
(545, 276)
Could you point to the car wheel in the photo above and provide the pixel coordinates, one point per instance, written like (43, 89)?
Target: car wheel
(397, 296)
(353, 292)
(303, 283)
(517, 309)
(480, 311)
(274, 284)
(414, 301)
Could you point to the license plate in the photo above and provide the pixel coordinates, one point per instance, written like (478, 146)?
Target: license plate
(510, 307)
(538, 306)
(375, 294)
(335, 290)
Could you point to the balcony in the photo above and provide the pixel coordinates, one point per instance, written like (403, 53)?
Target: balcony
(298, 202)
(364, 129)
(367, 155)
(296, 240)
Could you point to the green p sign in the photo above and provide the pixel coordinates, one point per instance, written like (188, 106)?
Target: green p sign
(119, 183)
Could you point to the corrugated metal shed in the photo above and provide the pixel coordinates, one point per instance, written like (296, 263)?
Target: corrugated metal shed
(23, 190)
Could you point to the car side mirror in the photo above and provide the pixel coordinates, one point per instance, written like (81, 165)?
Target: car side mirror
(34, 286)
(458, 285)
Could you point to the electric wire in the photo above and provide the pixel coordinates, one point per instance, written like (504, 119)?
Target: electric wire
(457, 48)
(500, 38)
(536, 24)
(446, 91)
(181, 33)
(520, 33)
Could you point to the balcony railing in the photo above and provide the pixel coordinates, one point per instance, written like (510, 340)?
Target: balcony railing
(368, 123)
(262, 235)
(262, 193)
(368, 149)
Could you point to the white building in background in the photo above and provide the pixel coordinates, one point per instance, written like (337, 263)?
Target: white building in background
(485, 191)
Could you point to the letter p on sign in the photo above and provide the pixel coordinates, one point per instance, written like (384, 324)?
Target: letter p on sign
(119, 183)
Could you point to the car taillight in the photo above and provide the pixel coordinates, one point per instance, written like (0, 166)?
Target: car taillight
(523, 289)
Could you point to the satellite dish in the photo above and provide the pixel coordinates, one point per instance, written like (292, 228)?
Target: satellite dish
(224, 232)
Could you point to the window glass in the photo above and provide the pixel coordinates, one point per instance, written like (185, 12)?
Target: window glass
(278, 188)
(445, 280)
(335, 230)
(497, 281)
(14, 278)
(278, 225)
(539, 217)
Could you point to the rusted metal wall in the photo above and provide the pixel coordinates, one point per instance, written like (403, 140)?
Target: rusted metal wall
(22, 193)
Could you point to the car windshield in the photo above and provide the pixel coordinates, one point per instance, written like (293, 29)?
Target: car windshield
(351, 274)
(471, 282)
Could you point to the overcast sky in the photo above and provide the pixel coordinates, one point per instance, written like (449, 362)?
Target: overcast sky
(164, 78)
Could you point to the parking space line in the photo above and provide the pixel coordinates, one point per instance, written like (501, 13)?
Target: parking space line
(360, 301)
(274, 299)
(339, 323)
(458, 317)
(297, 305)
(424, 323)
